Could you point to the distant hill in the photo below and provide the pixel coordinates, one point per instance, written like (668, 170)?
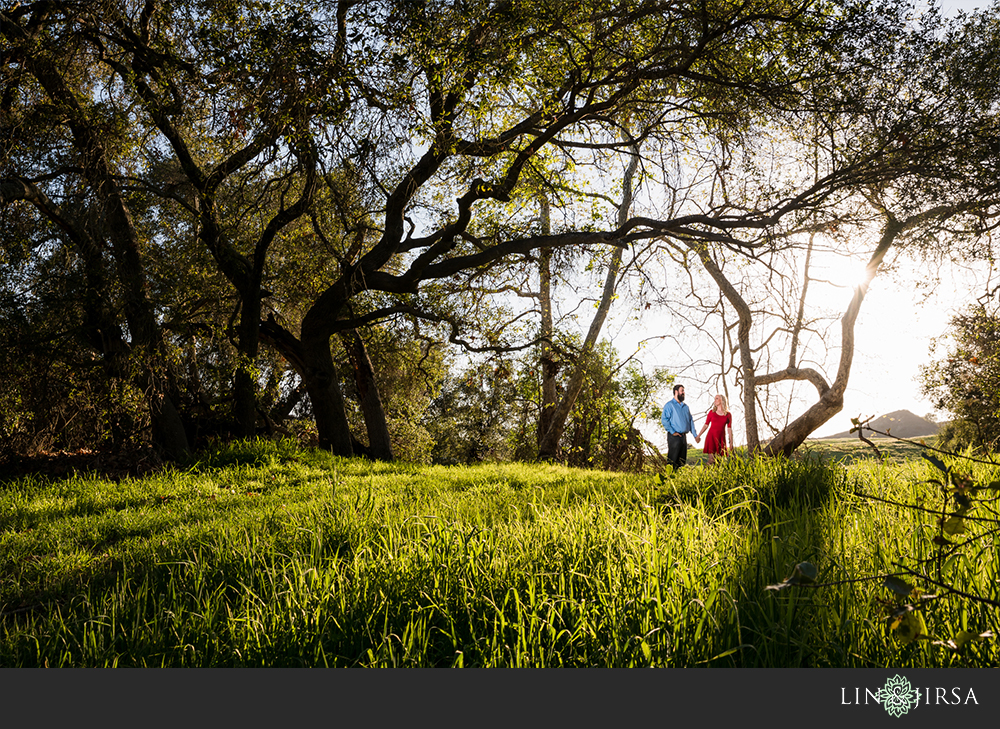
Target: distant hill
(901, 423)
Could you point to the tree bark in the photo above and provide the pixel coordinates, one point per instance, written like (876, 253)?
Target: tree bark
(549, 365)
(312, 359)
(379, 443)
(744, 325)
(244, 381)
(320, 378)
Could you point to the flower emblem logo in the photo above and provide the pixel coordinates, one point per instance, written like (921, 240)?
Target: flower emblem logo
(897, 696)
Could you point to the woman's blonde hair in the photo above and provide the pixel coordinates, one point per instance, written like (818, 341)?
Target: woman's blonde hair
(725, 404)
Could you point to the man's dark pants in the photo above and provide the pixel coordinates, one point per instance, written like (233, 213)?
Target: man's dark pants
(677, 449)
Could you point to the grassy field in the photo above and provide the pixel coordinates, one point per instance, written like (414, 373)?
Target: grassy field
(847, 451)
(265, 555)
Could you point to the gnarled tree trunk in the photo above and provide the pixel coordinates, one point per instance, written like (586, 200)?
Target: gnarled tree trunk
(320, 378)
(379, 444)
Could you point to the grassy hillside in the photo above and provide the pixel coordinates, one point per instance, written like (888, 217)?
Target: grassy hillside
(899, 423)
(847, 451)
(262, 555)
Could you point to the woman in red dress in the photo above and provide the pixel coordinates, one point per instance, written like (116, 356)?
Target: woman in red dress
(718, 423)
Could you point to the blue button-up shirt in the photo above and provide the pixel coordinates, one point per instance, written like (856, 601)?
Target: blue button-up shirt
(677, 418)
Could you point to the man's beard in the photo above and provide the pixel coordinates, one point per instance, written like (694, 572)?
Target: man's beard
(680, 398)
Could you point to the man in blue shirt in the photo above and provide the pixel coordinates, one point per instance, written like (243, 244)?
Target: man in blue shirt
(677, 421)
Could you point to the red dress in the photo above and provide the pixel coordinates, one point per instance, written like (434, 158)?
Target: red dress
(715, 438)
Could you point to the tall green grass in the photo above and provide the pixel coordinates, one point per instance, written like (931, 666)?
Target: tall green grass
(264, 555)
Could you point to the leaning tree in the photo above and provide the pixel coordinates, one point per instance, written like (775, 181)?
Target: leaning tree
(917, 137)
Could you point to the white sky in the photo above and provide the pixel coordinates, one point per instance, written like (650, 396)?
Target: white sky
(897, 323)
(898, 320)
(893, 338)
(953, 6)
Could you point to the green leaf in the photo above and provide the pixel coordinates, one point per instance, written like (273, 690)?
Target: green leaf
(966, 637)
(963, 500)
(900, 587)
(954, 525)
(937, 462)
(804, 573)
(910, 626)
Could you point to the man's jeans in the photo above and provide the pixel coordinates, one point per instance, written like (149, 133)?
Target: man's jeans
(677, 449)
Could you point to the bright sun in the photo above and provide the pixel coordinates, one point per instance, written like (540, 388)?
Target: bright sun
(841, 271)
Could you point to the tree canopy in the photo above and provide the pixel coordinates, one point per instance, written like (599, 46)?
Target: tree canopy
(965, 382)
(229, 209)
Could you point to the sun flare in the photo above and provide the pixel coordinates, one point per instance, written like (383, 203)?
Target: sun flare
(841, 271)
